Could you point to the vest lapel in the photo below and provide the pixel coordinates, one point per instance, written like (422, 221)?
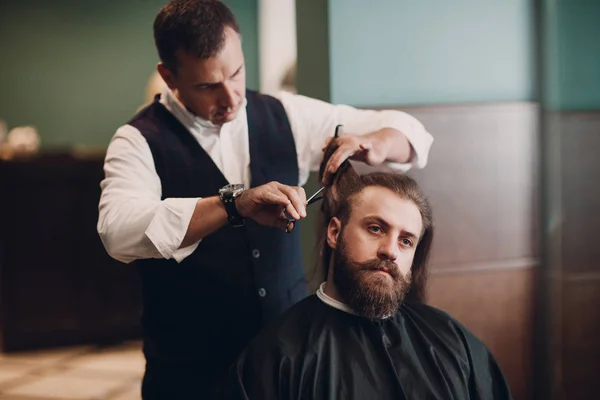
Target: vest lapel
(256, 134)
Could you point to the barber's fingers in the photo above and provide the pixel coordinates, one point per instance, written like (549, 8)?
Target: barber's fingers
(341, 154)
(327, 141)
(292, 199)
(350, 147)
(274, 197)
(297, 197)
(301, 196)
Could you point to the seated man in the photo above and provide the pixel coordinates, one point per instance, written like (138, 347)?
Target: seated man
(366, 333)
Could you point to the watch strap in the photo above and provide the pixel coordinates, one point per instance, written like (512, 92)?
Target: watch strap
(233, 216)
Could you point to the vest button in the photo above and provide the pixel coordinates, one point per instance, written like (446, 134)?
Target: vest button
(262, 292)
(255, 253)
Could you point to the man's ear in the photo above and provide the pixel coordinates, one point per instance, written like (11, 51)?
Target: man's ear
(333, 232)
(167, 75)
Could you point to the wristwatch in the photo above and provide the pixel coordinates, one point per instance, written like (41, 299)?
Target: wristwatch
(228, 195)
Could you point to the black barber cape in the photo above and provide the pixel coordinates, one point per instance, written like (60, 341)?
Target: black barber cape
(316, 351)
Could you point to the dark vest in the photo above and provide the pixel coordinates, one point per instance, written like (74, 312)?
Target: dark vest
(206, 309)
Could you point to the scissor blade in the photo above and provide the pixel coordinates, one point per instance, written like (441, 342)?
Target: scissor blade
(314, 195)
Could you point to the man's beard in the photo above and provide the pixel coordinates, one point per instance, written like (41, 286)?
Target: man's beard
(371, 294)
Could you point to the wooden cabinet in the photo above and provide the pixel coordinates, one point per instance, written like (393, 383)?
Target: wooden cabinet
(58, 286)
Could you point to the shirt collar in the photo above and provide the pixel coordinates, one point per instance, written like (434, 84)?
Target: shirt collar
(188, 119)
(330, 301)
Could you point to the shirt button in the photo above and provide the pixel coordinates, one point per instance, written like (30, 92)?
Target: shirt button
(255, 253)
(262, 292)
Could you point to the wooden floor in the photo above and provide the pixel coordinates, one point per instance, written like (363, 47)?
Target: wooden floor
(75, 373)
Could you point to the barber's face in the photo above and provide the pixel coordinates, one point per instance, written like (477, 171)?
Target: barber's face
(374, 251)
(213, 89)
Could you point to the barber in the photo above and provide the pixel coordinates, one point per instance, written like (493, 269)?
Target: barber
(194, 191)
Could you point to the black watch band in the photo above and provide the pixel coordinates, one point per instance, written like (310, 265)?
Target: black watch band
(228, 196)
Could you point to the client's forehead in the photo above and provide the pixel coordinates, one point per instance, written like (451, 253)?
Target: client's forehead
(380, 202)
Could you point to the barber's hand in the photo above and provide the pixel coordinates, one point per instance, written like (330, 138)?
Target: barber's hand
(355, 148)
(265, 204)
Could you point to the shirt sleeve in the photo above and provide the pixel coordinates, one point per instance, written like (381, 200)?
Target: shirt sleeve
(134, 222)
(313, 121)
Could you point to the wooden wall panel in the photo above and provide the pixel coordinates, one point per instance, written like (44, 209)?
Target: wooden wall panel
(580, 252)
(576, 316)
(581, 336)
(580, 187)
(497, 306)
(481, 181)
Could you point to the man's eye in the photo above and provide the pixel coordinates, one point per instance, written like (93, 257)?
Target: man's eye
(407, 242)
(206, 87)
(375, 229)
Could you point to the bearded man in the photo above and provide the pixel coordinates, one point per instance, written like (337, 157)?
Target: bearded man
(367, 334)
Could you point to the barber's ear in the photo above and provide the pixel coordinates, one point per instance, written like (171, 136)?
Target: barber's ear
(333, 232)
(166, 74)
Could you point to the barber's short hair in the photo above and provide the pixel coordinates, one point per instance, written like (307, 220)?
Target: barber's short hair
(196, 27)
(338, 200)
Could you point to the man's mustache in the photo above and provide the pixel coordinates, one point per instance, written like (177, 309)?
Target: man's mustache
(381, 265)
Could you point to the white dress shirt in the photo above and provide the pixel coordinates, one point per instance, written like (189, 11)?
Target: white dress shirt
(134, 223)
(330, 301)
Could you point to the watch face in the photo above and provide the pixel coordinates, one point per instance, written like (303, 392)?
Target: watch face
(233, 188)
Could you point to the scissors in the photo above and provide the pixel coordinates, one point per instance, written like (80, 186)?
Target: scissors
(291, 223)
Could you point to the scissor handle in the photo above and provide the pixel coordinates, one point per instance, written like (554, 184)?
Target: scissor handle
(337, 131)
(291, 224)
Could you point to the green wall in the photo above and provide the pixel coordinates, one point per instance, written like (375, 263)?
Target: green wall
(572, 42)
(246, 12)
(77, 69)
(312, 37)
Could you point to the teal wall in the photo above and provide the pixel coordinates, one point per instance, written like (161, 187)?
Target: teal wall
(77, 69)
(246, 12)
(573, 63)
(407, 52)
(312, 40)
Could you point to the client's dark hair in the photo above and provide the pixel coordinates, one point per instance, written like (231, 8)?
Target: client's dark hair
(338, 200)
(194, 26)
